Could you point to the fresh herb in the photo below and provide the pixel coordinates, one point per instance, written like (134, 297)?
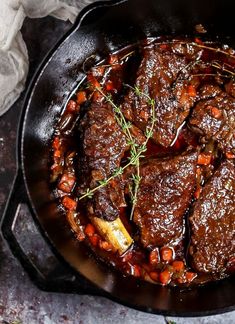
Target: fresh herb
(136, 150)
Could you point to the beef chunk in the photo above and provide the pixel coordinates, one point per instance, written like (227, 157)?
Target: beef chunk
(155, 77)
(213, 223)
(215, 119)
(103, 145)
(164, 195)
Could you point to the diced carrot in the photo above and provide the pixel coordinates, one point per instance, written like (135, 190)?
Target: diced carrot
(56, 143)
(163, 46)
(94, 239)
(154, 275)
(89, 230)
(197, 192)
(113, 59)
(81, 97)
(191, 91)
(97, 96)
(57, 154)
(136, 270)
(69, 203)
(93, 81)
(66, 183)
(230, 155)
(71, 106)
(204, 159)
(105, 246)
(166, 254)
(165, 277)
(198, 41)
(190, 276)
(180, 280)
(109, 85)
(154, 257)
(178, 265)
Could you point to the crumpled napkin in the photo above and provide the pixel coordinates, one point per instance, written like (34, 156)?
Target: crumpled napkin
(13, 52)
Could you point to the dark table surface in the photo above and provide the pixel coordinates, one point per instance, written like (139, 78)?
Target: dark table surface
(20, 300)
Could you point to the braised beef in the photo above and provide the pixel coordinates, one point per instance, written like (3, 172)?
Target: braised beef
(213, 223)
(155, 77)
(103, 146)
(164, 196)
(186, 168)
(215, 119)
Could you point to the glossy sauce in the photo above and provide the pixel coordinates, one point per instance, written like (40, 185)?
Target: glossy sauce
(165, 265)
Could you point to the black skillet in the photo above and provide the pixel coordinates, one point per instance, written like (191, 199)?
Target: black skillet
(103, 28)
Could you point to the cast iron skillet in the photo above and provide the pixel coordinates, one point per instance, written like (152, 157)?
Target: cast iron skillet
(103, 28)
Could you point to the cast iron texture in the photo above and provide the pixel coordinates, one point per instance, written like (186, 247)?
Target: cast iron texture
(101, 29)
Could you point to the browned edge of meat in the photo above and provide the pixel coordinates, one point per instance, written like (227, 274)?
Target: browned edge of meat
(164, 196)
(213, 223)
(156, 75)
(214, 119)
(103, 145)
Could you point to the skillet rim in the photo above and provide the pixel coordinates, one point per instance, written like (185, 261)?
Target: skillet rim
(20, 167)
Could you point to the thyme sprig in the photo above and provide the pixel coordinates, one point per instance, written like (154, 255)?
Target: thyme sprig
(136, 150)
(148, 134)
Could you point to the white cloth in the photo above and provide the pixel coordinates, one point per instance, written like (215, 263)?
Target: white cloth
(13, 52)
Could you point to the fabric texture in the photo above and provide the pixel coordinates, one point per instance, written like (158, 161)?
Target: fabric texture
(13, 52)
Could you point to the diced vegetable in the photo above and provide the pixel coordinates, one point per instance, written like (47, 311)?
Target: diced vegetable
(164, 46)
(93, 81)
(66, 183)
(178, 265)
(154, 275)
(97, 96)
(89, 230)
(198, 41)
(204, 159)
(57, 154)
(56, 143)
(69, 203)
(71, 106)
(166, 254)
(109, 85)
(165, 277)
(113, 232)
(105, 246)
(81, 97)
(94, 239)
(190, 276)
(154, 257)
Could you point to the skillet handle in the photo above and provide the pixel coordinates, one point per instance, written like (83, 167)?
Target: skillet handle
(60, 278)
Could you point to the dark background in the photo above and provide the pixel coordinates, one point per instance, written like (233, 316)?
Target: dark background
(20, 300)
